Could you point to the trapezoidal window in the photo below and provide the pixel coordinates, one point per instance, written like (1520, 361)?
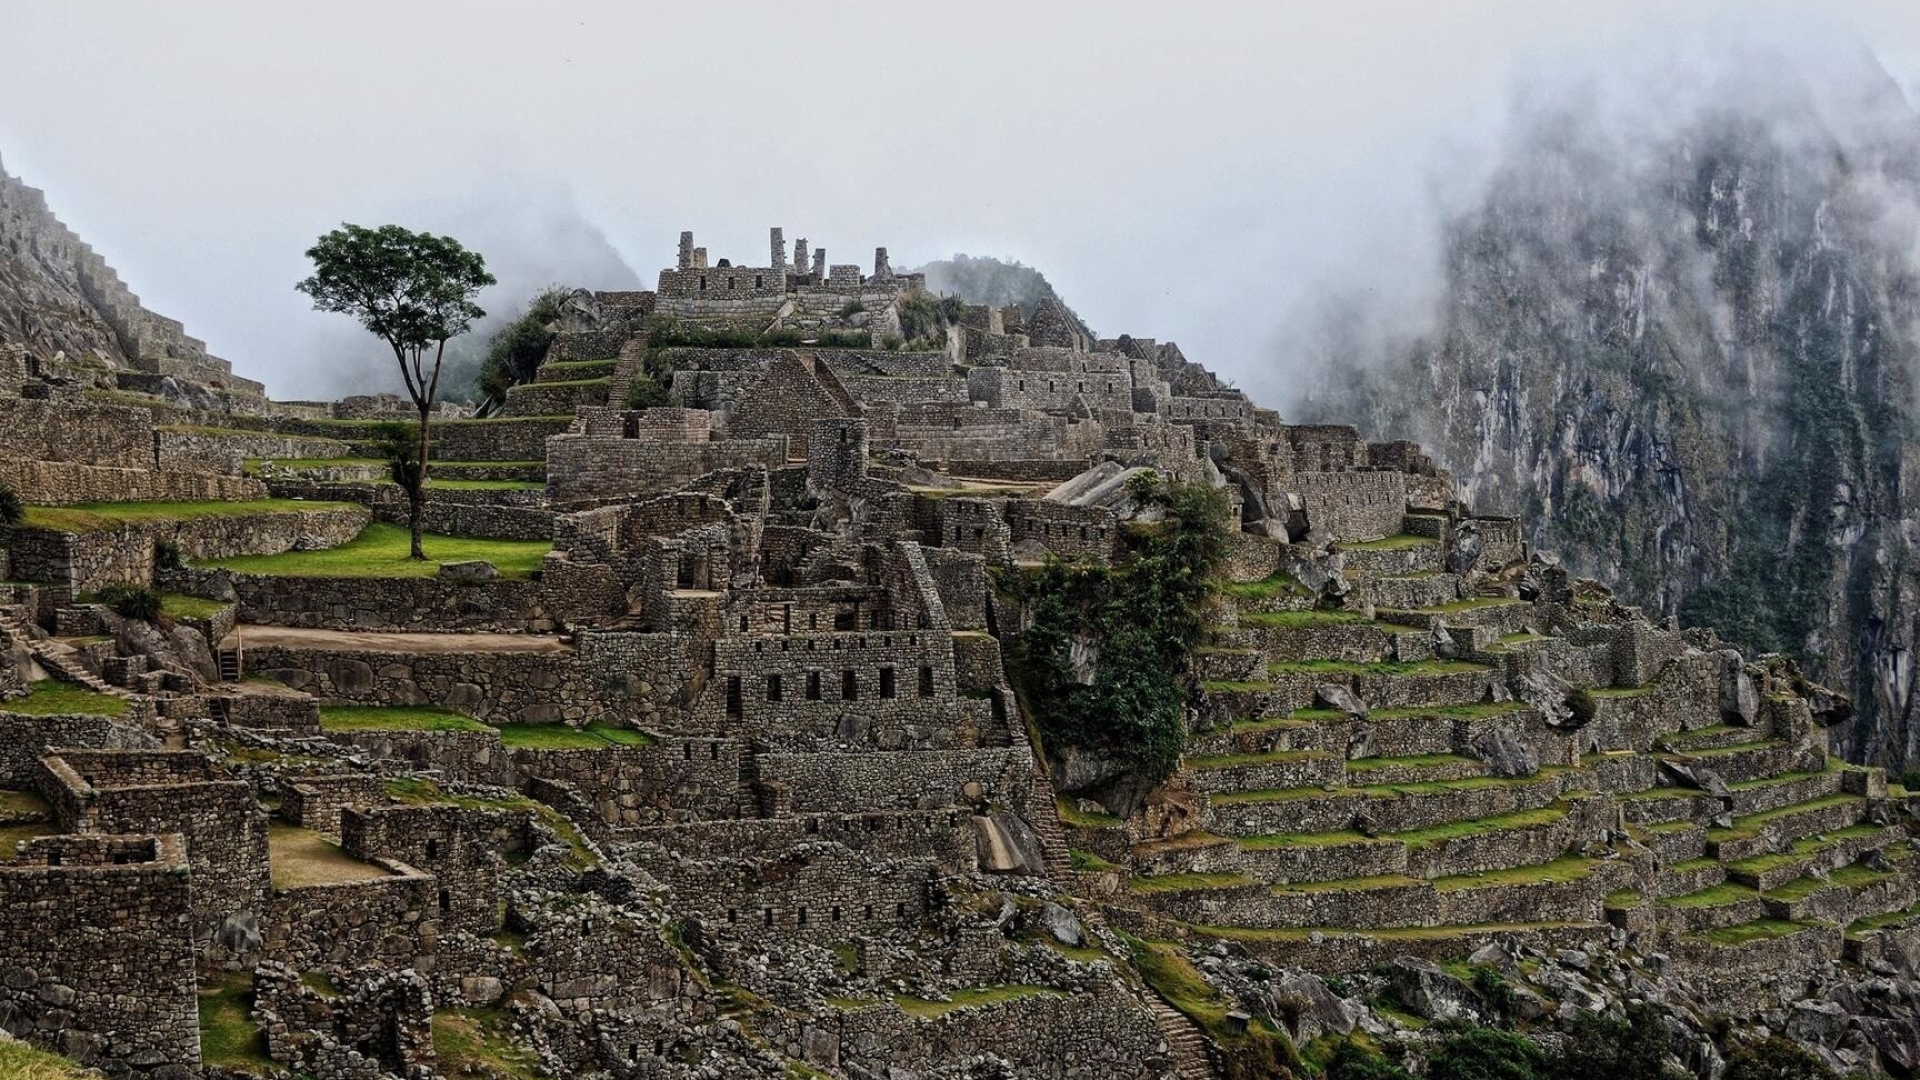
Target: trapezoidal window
(886, 682)
(773, 688)
(849, 686)
(734, 707)
(926, 681)
(813, 686)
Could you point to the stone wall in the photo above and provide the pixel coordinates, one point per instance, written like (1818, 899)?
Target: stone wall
(460, 846)
(393, 919)
(921, 780)
(1353, 505)
(588, 467)
(24, 740)
(89, 560)
(97, 952)
(435, 604)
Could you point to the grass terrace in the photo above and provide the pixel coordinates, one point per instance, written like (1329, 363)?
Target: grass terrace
(1192, 882)
(416, 792)
(1071, 814)
(1304, 618)
(1279, 584)
(1389, 543)
(98, 517)
(594, 736)
(962, 999)
(300, 857)
(228, 1036)
(346, 718)
(478, 1042)
(1378, 667)
(1484, 710)
(18, 1061)
(380, 551)
(51, 697)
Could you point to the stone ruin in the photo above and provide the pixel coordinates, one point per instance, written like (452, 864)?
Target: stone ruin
(736, 782)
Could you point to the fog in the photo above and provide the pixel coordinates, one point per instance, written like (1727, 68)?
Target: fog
(1187, 172)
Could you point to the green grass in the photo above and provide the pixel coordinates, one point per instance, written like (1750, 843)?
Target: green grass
(1277, 757)
(485, 485)
(1166, 883)
(19, 805)
(1564, 869)
(93, 517)
(1412, 761)
(1376, 881)
(228, 1036)
(1280, 841)
(1855, 877)
(417, 792)
(12, 836)
(1279, 584)
(1378, 667)
(1719, 895)
(380, 551)
(1802, 848)
(1087, 861)
(18, 1061)
(1398, 933)
(395, 718)
(1621, 691)
(595, 736)
(1455, 830)
(961, 999)
(1303, 618)
(1085, 819)
(478, 1042)
(51, 697)
(1483, 710)
(1389, 543)
(1883, 920)
(1745, 828)
(1757, 930)
(1625, 898)
(181, 606)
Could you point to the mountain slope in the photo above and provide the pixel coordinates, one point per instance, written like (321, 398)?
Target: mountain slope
(1687, 354)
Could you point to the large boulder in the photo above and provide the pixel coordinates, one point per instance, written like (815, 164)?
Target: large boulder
(1503, 754)
(1005, 844)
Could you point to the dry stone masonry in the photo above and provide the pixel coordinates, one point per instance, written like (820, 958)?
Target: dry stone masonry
(736, 782)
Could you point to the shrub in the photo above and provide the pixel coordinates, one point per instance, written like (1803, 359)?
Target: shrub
(166, 555)
(1146, 611)
(644, 393)
(1355, 1062)
(1583, 704)
(844, 339)
(399, 445)
(515, 354)
(892, 342)
(1775, 1058)
(1601, 1047)
(11, 509)
(131, 602)
(851, 308)
(1494, 989)
(1478, 1053)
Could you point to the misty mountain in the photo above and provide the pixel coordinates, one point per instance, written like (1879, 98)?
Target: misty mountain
(982, 279)
(1686, 349)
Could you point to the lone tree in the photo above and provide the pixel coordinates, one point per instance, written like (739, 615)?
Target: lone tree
(414, 291)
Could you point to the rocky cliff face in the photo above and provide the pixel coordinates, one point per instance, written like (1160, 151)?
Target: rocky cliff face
(1687, 356)
(48, 302)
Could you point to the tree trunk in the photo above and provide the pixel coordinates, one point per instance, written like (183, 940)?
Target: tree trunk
(417, 497)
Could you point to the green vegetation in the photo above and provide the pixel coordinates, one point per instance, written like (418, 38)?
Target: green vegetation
(479, 1042)
(1775, 1057)
(594, 736)
(1720, 895)
(131, 601)
(1166, 883)
(18, 1061)
(1147, 611)
(963, 999)
(1303, 618)
(381, 550)
(1258, 1050)
(228, 1036)
(1086, 819)
(1377, 667)
(51, 697)
(95, 517)
(11, 508)
(1483, 710)
(1390, 543)
(1280, 583)
(415, 792)
(515, 352)
(1087, 861)
(395, 718)
(180, 606)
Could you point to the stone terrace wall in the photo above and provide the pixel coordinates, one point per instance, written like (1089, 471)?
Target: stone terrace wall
(676, 779)
(97, 955)
(460, 846)
(920, 780)
(812, 892)
(588, 467)
(1105, 1035)
(24, 740)
(392, 919)
(1354, 505)
(510, 605)
(89, 560)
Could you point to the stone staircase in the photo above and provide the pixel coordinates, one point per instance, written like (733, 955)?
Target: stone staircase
(1185, 1041)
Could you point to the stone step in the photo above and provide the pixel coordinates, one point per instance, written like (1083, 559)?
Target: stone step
(1717, 737)
(1217, 664)
(1848, 894)
(1422, 590)
(1757, 760)
(1341, 950)
(1386, 809)
(1501, 615)
(1776, 829)
(1665, 805)
(1257, 737)
(1317, 636)
(1674, 841)
(1785, 789)
(1715, 906)
(1417, 769)
(1394, 556)
(1818, 853)
(1688, 876)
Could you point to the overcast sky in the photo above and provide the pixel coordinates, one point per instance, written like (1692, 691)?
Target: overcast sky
(1179, 170)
